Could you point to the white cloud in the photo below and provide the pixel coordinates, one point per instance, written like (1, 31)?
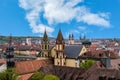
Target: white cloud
(94, 19)
(82, 28)
(60, 11)
(33, 9)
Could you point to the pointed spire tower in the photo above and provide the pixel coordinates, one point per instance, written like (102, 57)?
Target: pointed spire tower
(69, 36)
(60, 39)
(45, 37)
(10, 54)
(45, 45)
(84, 37)
(72, 37)
(60, 47)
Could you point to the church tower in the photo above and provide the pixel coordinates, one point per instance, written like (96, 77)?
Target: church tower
(71, 39)
(60, 47)
(45, 46)
(10, 54)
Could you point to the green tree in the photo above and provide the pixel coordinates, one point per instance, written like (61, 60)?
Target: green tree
(51, 77)
(87, 64)
(37, 76)
(9, 74)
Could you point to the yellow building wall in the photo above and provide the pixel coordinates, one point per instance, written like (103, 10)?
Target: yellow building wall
(65, 62)
(21, 52)
(83, 51)
(58, 62)
(53, 52)
(70, 62)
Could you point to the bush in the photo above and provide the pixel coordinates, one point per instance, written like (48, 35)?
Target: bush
(87, 64)
(51, 77)
(37, 76)
(9, 74)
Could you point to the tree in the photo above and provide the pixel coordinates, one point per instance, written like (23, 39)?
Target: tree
(37, 76)
(87, 64)
(9, 74)
(51, 77)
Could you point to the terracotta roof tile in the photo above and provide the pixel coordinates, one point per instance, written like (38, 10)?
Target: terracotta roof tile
(25, 76)
(2, 60)
(63, 72)
(25, 67)
(99, 54)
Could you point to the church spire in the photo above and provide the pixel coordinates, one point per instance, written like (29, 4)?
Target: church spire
(10, 54)
(45, 37)
(72, 37)
(69, 36)
(10, 40)
(59, 37)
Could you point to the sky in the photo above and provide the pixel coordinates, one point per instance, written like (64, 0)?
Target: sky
(93, 18)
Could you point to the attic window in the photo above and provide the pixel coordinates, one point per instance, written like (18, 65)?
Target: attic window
(84, 54)
(101, 65)
(100, 55)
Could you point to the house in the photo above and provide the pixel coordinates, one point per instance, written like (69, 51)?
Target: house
(26, 68)
(3, 65)
(63, 55)
(96, 72)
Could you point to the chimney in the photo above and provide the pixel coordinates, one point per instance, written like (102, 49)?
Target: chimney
(106, 62)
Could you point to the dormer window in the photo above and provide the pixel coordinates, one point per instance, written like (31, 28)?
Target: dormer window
(100, 55)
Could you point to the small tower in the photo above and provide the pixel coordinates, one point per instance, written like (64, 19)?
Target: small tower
(10, 54)
(60, 46)
(45, 45)
(71, 39)
(84, 37)
(69, 36)
(80, 37)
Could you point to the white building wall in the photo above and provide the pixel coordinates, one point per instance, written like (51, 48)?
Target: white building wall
(3, 67)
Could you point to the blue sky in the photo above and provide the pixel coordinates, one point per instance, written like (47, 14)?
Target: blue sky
(94, 18)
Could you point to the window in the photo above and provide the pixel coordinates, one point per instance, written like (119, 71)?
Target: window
(64, 63)
(45, 46)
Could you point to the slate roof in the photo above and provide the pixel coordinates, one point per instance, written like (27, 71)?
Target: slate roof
(72, 51)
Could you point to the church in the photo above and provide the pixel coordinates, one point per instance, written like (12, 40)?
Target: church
(61, 53)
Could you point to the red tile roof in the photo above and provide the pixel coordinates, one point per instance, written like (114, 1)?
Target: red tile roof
(25, 67)
(99, 54)
(25, 76)
(115, 64)
(2, 60)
